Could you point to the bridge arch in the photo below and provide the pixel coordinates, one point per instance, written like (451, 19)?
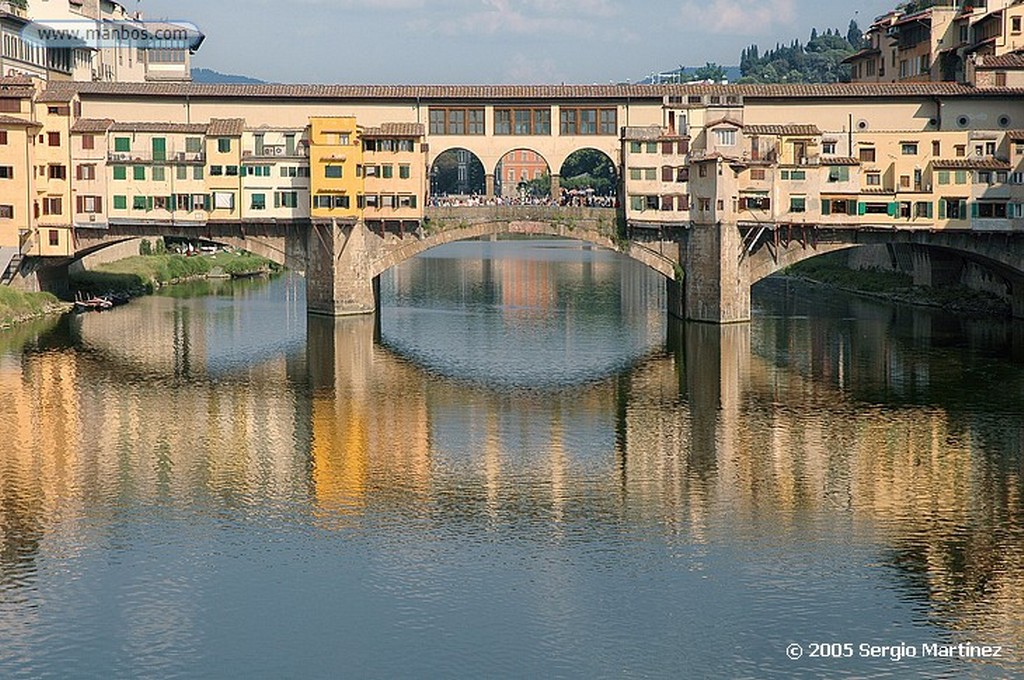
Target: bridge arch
(589, 169)
(597, 227)
(519, 166)
(457, 171)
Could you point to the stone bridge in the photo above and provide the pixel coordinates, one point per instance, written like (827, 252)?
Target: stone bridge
(708, 268)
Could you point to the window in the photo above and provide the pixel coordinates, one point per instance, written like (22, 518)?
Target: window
(406, 201)
(53, 138)
(199, 202)
(908, 148)
(634, 173)
(139, 172)
(1000, 78)
(757, 173)
(139, 203)
(88, 142)
(197, 172)
(960, 150)
(224, 145)
(668, 202)
(387, 171)
(650, 173)
(636, 203)
(87, 171)
(990, 210)
(952, 208)
(181, 172)
(943, 177)
(960, 176)
(286, 199)
(89, 204)
(573, 121)
(456, 121)
(231, 170)
(838, 173)
(793, 174)
(193, 144)
(667, 173)
(6, 172)
(122, 144)
(120, 172)
(923, 209)
(259, 202)
(725, 137)
(798, 204)
(404, 172)
(159, 149)
(159, 173)
(636, 147)
(873, 179)
(53, 237)
(223, 200)
(532, 121)
(183, 202)
(1015, 25)
(904, 181)
(867, 154)
(57, 172)
(52, 206)
(936, 148)
(828, 148)
(667, 148)
(984, 177)
(652, 147)
(6, 212)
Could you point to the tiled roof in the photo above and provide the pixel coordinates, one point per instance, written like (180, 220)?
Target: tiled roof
(63, 91)
(60, 92)
(839, 160)
(226, 127)
(91, 125)
(726, 120)
(11, 121)
(1015, 135)
(16, 87)
(803, 130)
(1013, 61)
(185, 128)
(970, 164)
(867, 52)
(395, 130)
(650, 133)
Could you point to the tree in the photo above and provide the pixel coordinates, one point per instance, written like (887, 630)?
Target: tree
(710, 71)
(854, 36)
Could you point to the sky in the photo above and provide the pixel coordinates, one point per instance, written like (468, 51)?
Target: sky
(491, 41)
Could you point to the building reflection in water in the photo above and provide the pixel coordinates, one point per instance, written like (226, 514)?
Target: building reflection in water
(854, 421)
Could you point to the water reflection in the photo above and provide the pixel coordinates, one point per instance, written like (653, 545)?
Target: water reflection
(837, 468)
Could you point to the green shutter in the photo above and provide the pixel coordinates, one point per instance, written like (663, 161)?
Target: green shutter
(942, 208)
(826, 207)
(862, 208)
(974, 208)
(844, 173)
(963, 209)
(120, 172)
(929, 209)
(159, 149)
(122, 144)
(139, 172)
(851, 207)
(277, 199)
(894, 209)
(120, 202)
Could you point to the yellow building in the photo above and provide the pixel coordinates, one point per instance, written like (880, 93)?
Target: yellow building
(52, 200)
(18, 133)
(335, 167)
(224, 168)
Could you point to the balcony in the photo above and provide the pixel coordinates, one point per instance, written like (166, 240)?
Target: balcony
(271, 151)
(16, 8)
(170, 158)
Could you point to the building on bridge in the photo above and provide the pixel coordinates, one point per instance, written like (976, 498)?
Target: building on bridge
(747, 167)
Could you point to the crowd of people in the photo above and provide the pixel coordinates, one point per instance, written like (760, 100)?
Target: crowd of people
(570, 198)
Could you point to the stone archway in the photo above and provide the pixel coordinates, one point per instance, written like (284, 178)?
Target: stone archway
(585, 175)
(522, 174)
(457, 174)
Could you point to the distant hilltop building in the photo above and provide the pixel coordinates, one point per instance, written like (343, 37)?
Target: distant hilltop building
(92, 40)
(979, 42)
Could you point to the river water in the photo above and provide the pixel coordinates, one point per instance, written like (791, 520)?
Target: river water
(521, 469)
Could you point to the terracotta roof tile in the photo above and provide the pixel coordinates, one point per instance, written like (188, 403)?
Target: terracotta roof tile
(63, 91)
(970, 164)
(186, 128)
(1013, 61)
(11, 121)
(395, 130)
(58, 92)
(839, 160)
(1015, 135)
(802, 130)
(226, 127)
(91, 125)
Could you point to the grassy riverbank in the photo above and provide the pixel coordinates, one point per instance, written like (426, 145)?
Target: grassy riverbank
(145, 273)
(17, 306)
(831, 270)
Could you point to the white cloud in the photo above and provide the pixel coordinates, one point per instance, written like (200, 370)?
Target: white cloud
(737, 17)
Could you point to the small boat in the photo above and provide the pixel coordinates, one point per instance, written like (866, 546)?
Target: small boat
(93, 304)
